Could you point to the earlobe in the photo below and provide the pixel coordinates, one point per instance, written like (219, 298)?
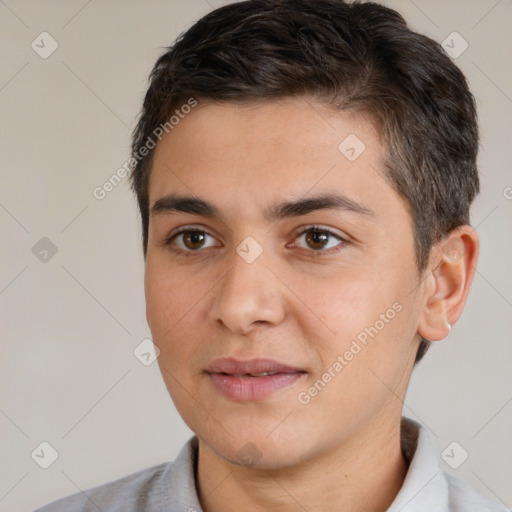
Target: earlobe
(446, 286)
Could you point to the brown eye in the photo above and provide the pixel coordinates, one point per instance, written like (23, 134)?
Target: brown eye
(316, 239)
(193, 239)
(319, 240)
(190, 240)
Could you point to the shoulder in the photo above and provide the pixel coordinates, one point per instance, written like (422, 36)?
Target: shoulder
(463, 498)
(134, 492)
(166, 486)
(427, 487)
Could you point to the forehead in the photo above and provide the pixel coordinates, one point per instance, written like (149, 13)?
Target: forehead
(255, 153)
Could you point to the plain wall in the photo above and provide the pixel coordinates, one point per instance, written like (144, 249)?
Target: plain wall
(69, 325)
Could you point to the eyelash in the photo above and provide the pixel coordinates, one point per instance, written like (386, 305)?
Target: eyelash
(314, 253)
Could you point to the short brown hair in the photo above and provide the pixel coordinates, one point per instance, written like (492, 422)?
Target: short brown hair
(357, 56)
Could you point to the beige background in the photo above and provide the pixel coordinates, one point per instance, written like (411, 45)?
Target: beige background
(69, 326)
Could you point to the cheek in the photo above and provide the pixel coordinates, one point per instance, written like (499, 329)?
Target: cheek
(343, 306)
(365, 317)
(171, 300)
(366, 356)
(169, 293)
(177, 305)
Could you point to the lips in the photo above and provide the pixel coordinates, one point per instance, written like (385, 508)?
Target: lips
(251, 380)
(233, 366)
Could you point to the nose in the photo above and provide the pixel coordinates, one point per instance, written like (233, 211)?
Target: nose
(249, 295)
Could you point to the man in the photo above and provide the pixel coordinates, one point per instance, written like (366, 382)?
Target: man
(304, 171)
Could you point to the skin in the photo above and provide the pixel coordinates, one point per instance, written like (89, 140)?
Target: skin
(297, 303)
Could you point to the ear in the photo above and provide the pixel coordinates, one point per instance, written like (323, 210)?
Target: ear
(448, 278)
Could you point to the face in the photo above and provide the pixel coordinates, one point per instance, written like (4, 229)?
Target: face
(281, 280)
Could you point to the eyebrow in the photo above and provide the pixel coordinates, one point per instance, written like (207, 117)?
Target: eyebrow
(174, 203)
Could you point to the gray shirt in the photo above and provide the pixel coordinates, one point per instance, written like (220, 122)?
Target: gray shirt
(170, 487)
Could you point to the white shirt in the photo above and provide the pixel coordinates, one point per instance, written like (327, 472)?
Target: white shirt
(170, 487)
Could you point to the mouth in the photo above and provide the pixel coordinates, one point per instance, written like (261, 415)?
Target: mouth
(251, 380)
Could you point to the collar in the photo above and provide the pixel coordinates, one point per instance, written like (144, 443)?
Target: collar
(425, 487)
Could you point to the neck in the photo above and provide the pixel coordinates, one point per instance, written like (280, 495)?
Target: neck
(365, 473)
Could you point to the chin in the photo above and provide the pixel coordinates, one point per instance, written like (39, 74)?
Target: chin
(259, 450)
(256, 456)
